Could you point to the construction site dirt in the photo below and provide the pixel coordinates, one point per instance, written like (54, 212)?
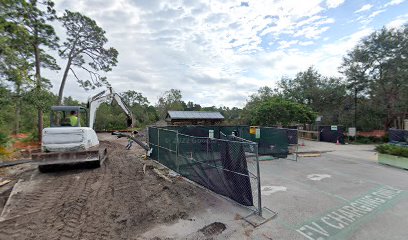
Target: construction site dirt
(124, 198)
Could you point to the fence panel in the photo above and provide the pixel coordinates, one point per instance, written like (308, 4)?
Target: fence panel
(225, 166)
(292, 136)
(252, 162)
(326, 134)
(153, 142)
(167, 148)
(398, 135)
(218, 165)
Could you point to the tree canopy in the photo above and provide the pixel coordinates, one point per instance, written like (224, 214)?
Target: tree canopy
(278, 111)
(371, 94)
(325, 95)
(85, 49)
(377, 70)
(26, 35)
(170, 100)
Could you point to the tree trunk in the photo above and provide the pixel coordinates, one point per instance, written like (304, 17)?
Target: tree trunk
(17, 126)
(387, 123)
(64, 79)
(355, 107)
(38, 87)
(71, 55)
(40, 124)
(18, 110)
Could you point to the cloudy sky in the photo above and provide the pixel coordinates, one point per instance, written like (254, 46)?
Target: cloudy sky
(217, 52)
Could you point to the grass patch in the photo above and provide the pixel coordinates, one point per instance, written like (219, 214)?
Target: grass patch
(392, 150)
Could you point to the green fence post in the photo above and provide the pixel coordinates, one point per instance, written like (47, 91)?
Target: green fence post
(296, 152)
(177, 151)
(158, 144)
(207, 149)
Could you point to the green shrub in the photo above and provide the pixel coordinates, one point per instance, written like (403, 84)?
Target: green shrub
(386, 138)
(392, 150)
(5, 140)
(371, 139)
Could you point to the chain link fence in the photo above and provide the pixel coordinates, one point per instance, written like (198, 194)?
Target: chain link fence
(228, 162)
(226, 165)
(398, 135)
(273, 143)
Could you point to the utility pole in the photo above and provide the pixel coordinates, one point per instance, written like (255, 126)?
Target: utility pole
(355, 107)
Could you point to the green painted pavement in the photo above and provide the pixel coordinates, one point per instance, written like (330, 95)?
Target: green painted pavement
(340, 222)
(400, 162)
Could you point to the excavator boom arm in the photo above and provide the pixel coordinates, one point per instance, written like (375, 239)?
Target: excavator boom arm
(95, 101)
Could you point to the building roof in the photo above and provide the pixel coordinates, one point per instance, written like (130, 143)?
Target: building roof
(173, 115)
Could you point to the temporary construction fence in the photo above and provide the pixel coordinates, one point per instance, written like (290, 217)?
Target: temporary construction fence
(292, 136)
(322, 133)
(226, 165)
(332, 133)
(272, 142)
(398, 135)
(227, 162)
(308, 135)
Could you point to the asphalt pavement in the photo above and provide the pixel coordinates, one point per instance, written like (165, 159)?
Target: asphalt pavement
(343, 194)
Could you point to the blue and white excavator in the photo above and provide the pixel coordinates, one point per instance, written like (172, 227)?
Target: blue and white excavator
(71, 137)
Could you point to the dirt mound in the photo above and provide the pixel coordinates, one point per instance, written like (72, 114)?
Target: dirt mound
(119, 200)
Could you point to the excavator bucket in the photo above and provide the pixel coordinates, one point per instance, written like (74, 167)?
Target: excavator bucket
(47, 160)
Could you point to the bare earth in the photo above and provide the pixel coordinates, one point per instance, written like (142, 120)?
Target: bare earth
(119, 200)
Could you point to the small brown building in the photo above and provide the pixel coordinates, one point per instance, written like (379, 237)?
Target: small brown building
(193, 118)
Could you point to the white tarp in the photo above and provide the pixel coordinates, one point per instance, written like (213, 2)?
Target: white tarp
(61, 139)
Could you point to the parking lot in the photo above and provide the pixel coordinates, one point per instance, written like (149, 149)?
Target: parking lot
(343, 194)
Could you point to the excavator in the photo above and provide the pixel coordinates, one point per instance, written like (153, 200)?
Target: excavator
(71, 137)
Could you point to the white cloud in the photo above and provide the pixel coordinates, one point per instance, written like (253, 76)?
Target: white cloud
(326, 58)
(216, 53)
(364, 8)
(334, 3)
(287, 44)
(307, 43)
(398, 22)
(376, 13)
(313, 27)
(198, 46)
(393, 2)
(311, 32)
(368, 19)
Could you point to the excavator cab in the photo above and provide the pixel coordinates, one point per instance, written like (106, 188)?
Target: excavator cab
(69, 116)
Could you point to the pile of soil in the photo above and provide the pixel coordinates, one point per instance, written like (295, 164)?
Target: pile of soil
(120, 200)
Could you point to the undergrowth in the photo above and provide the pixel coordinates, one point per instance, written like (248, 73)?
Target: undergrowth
(392, 150)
